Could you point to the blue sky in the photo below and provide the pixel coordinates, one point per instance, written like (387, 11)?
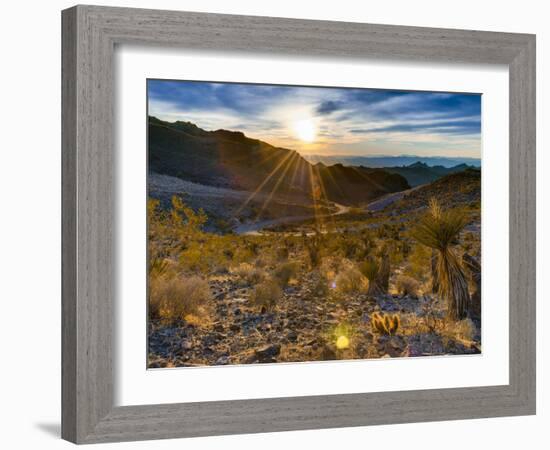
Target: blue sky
(328, 121)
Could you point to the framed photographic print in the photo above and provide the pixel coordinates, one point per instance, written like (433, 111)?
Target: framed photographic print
(267, 222)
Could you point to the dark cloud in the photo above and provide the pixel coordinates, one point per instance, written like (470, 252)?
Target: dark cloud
(243, 99)
(328, 107)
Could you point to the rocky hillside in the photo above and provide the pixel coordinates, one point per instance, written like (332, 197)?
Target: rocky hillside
(229, 159)
(457, 189)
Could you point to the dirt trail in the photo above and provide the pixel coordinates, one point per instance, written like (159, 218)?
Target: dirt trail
(388, 199)
(254, 228)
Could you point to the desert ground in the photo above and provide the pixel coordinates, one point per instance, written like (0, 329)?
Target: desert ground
(397, 275)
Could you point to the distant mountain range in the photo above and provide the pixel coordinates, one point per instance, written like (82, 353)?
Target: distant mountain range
(229, 159)
(420, 173)
(392, 161)
(416, 173)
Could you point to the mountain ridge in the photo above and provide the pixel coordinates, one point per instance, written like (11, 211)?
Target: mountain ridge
(230, 159)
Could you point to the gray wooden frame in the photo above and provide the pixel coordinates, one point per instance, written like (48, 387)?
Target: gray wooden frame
(89, 37)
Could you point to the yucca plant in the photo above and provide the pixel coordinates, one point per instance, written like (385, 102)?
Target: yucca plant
(157, 267)
(439, 230)
(370, 269)
(385, 324)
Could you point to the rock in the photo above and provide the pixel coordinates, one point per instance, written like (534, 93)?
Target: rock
(212, 338)
(394, 346)
(268, 353)
(426, 344)
(222, 360)
(292, 336)
(369, 337)
(218, 327)
(251, 359)
(235, 327)
(186, 345)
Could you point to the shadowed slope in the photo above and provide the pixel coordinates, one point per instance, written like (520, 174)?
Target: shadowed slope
(229, 159)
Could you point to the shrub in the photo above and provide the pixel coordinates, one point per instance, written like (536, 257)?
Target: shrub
(385, 324)
(407, 285)
(313, 247)
(465, 330)
(349, 247)
(249, 273)
(266, 294)
(285, 272)
(419, 264)
(368, 240)
(320, 286)
(173, 298)
(281, 253)
(350, 280)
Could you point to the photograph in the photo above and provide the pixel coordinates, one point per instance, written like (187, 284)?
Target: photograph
(294, 224)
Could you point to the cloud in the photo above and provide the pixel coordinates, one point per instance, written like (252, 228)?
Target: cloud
(458, 127)
(362, 120)
(328, 107)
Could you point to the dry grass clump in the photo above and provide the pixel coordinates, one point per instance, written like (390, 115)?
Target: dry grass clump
(407, 285)
(350, 280)
(173, 298)
(285, 272)
(266, 294)
(418, 263)
(320, 286)
(463, 330)
(248, 273)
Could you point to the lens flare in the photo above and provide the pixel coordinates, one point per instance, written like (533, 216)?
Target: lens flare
(342, 342)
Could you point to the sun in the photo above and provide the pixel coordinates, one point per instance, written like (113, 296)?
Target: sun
(305, 130)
